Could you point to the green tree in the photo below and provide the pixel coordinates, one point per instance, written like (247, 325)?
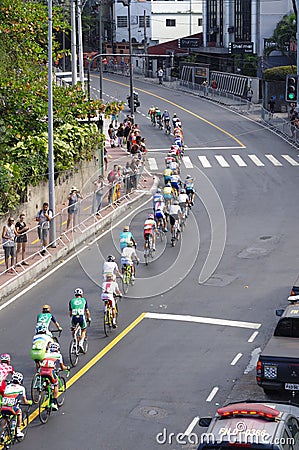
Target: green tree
(283, 35)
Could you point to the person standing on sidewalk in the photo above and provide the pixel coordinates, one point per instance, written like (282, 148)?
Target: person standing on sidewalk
(21, 229)
(160, 74)
(73, 207)
(8, 241)
(44, 218)
(99, 186)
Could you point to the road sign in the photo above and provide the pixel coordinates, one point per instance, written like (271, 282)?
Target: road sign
(240, 48)
(291, 88)
(188, 43)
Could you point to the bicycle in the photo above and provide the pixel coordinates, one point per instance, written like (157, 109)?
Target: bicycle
(153, 120)
(8, 427)
(127, 277)
(160, 123)
(46, 397)
(167, 126)
(108, 318)
(148, 249)
(55, 339)
(160, 234)
(175, 233)
(74, 348)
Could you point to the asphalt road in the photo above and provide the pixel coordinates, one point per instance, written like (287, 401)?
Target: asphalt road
(209, 303)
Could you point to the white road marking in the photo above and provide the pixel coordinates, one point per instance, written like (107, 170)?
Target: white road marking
(187, 162)
(206, 320)
(236, 359)
(273, 160)
(221, 161)
(204, 161)
(256, 160)
(239, 160)
(253, 336)
(152, 164)
(215, 148)
(212, 394)
(290, 160)
(191, 426)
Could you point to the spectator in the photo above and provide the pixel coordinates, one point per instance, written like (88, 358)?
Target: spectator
(294, 123)
(112, 177)
(160, 74)
(271, 104)
(205, 85)
(73, 207)
(114, 118)
(8, 242)
(105, 158)
(44, 218)
(99, 187)
(127, 173)
(214, 85)
(134, 167)
(112, 135)
(249, 94)
(120, 134)
(21, 240)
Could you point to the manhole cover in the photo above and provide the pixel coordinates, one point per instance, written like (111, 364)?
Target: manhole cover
(219, 280)
(152, 412)
(265, 238)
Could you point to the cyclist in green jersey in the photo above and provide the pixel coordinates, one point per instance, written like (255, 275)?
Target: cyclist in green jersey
(45, 317)
(79, 312)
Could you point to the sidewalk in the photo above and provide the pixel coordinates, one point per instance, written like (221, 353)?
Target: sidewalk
(88, 224)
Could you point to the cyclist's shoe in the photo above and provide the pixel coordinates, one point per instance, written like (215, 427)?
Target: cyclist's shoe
(114, 325)
(154, 249)
(54, 407)
(165, 230)
(81, 348)
(19, 433)
(133, 277)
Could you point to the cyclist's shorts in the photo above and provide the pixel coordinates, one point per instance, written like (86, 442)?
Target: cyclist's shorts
(51, 374)
(166, 179)
(126, 261)
(9, 410)
(147, 234)
(167, 196)
(2, 387)
(37, 354)
(106, 297)
(172, 219)
(80, 320)
(159, 214)
(175, 185)
(189, 191)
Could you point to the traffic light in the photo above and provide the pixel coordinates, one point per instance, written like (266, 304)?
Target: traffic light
(291, 88)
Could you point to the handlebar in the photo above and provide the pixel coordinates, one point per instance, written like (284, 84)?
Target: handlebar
(56, 331)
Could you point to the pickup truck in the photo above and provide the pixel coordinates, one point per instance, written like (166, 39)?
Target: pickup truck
(278, 365)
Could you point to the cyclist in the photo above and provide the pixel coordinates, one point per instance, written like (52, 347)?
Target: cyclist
(109, 290)
(157, 197)
(179, 143)
(176, 121)
(166, 118)
(167, 193)
(50, 365)
(127, 257)
(5, 370)
(79, 312)
(160, 215)
(167, 175)
(45, 317)
(175, 214)
(125, 237)
(175, 181)
(189, 186)
(149, 229)
(158, 116)
(110, 266)
(40, 344)
(14, 394)
(152, 114)
(183, 200)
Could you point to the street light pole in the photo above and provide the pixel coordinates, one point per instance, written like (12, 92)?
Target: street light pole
(130, 60)
(101, 50)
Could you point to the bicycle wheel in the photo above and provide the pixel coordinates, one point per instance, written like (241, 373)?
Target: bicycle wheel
(107, 322)
(61, 391)
(25, 423)
(5, 437)
(44, 407)
(36, 387)
(146, 255)
(85, 345)
(126, 281)
(74, 352)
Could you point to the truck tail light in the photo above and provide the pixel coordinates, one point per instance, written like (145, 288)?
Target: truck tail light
(259, 368)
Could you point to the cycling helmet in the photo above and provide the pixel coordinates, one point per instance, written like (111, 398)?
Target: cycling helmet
(130, 244)
(175, 202)
(174, 172)
(150, 216)
(17, 377)
(41, 328)
(54, 347)
(182, 191)
(109, 277)
(188, 176)
(174, 115)
(158, 191)
(46, 308)
(126, 228)
(78, 291)
(110, 258)
(5, 358)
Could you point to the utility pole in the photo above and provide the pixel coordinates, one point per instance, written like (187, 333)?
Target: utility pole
(130, 60)
(297, 38)
(73, 42)
(80, 43)
(101, 49)
(145, 45)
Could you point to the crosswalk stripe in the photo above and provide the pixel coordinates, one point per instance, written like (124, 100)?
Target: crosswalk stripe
(152, 164)
(290, 160)
(256, 160)
(204, 161)
(239, 160)
(187, 162)
(273, 160)
(221, 161)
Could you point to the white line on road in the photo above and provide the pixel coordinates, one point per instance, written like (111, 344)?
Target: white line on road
(236, 359)
(204, 161)
(191, 426)
(290, 160)
(207, 320)
(256, 160)
(239, 160)
(221, 161)
(187, 162)
(212, 394)
(195, 148)
(253, 336)
(152, 164)
(273, 160)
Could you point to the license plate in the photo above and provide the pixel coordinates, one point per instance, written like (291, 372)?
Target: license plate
(292, 387)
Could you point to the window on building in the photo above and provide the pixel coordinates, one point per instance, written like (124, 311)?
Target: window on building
(122, 21)
(212, 20)
(242, 20)
(170, 22)
(141, 21)
(199, 22)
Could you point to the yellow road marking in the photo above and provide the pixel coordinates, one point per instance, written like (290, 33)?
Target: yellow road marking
(186, 110)
(35, 242)
(96, 358)
(87, 207)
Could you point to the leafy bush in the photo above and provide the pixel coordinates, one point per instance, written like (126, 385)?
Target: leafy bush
(278, 73)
